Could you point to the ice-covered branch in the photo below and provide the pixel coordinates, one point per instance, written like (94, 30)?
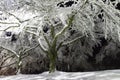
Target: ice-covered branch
(72, 41)
(3, 61)
(24, 53)
(13, 52)
(8, 64)
(42, 47)
(70, 20)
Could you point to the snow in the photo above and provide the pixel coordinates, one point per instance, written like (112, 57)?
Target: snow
(58, 75)
(12, 21)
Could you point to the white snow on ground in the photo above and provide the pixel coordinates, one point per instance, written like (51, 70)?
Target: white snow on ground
(99, 75)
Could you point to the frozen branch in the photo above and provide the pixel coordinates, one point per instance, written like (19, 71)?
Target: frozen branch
(60, 45)
(72, 41)
(8, 65)
(42, 47)
(66, 27)
(6, 59)
(21, 21)
(107, 11)
(31, 32)
(40, 44)
(10, 27)
(47, 40)
(1, 22)
(29, 50)
(13, 52)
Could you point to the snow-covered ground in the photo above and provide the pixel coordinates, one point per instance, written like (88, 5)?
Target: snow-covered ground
(99, 75)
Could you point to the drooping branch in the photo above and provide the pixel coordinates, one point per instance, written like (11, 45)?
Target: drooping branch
(10, 27)
(19, 20)
(3, 22)
(107, 11)
(29, 50)
(63, 30)
(6, 59)
(8, 65)
(31, 32)
(40, 44)
(13, 52)
(72, 41)
(66, 26)
(42, 47)
(14, 16)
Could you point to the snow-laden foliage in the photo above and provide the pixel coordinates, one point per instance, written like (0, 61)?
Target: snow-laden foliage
(86, 14)
(93, 19)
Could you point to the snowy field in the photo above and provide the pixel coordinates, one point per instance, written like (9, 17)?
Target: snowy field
(100, 75)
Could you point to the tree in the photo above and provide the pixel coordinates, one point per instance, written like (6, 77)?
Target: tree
(79, 15)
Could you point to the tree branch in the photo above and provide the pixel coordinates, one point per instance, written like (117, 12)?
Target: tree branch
(59, 46)
(46, 40)
(1, 22)
(13, 52)
(9, 27)
(42, 47)
(6, 59)
(21, 21)
(8, 65)
(67, 26)
(40, 44)
(31, 32)
(69, 42)
(29, 50)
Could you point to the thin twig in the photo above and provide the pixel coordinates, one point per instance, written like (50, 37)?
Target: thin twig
(59, 46)
(30, 49)
(6, 59)
(69, 42)
(8, 65)
(20, 21)
(1, 22)
(46, 40)
(31, 32)
(11, 27)
(13, 52)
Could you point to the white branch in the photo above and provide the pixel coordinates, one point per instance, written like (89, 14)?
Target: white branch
(13, 52)
(69, 42)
